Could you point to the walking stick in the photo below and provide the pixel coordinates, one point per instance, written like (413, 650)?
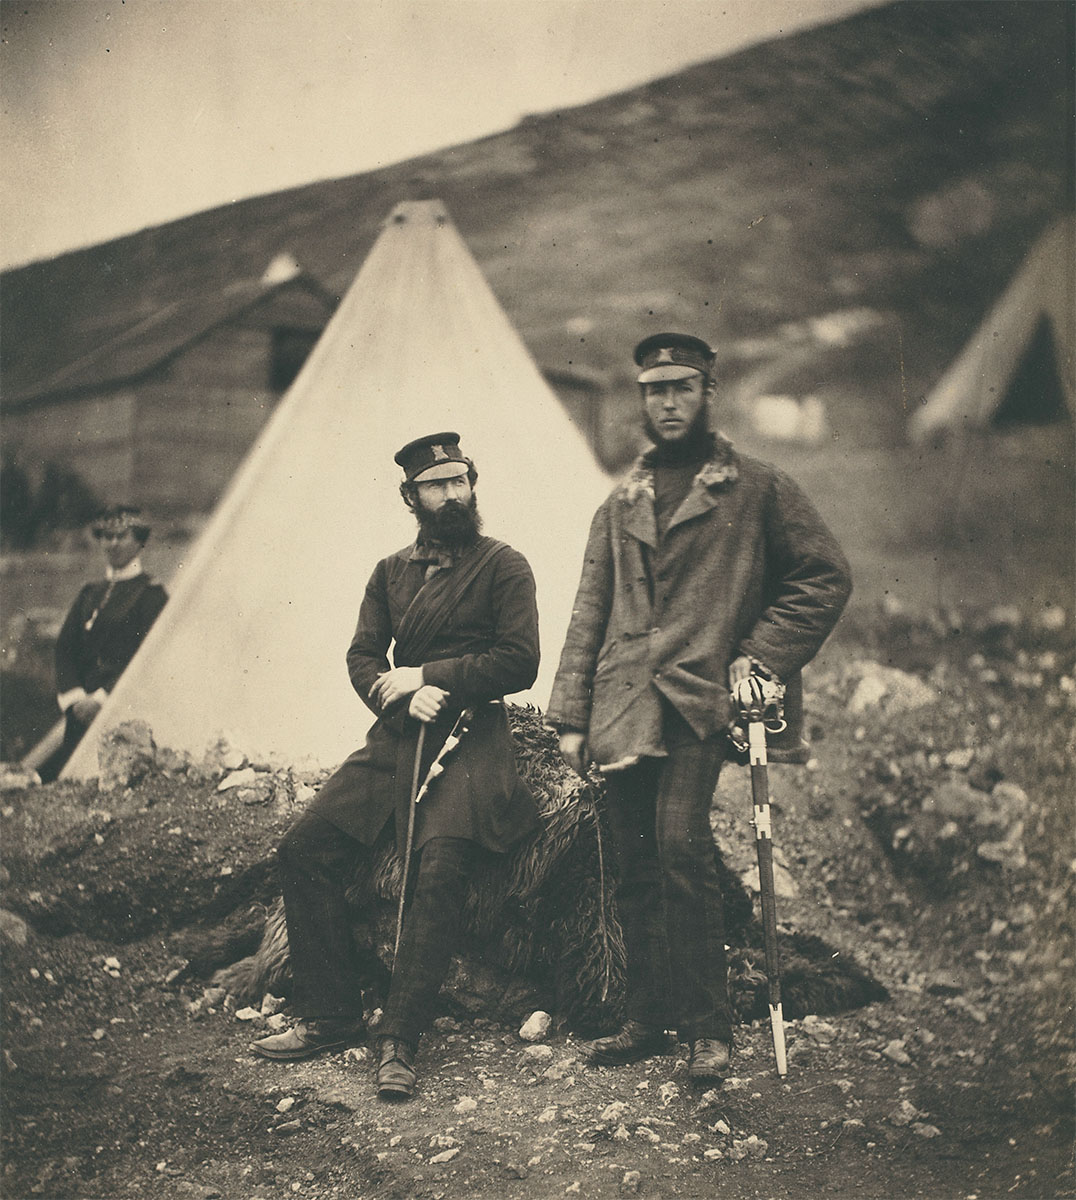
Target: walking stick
(437, 767)
(759, 704)
(410, 835)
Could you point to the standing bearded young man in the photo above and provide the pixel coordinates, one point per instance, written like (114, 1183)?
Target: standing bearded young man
(703, 567)
(458, 610)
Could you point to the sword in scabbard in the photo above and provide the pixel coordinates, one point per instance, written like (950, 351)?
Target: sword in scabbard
(758, 703)
(418, 793)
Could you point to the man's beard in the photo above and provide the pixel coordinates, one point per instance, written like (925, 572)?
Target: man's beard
(694, 446)
(453, 525)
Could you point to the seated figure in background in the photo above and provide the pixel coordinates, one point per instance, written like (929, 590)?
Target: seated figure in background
(104, 627)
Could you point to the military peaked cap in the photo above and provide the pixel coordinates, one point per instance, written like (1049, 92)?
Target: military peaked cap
(435, 456)
(672, 356)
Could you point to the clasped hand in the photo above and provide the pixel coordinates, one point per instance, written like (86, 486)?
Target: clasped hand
(427, 700)
(393, 685)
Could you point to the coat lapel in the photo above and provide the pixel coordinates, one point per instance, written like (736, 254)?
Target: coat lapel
(638, 497)
(638, 501)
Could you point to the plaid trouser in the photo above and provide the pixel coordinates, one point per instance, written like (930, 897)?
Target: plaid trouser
(317, 861)
(669, 896)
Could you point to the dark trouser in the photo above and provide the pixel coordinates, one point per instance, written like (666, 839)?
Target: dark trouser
(317, 861)
(669, 896)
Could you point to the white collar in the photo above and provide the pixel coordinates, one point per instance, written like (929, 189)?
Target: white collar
(131, 571)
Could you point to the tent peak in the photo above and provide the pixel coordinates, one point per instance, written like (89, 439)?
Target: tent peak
(416, 212)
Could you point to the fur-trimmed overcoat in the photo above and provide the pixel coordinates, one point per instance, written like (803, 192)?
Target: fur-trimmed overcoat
(746, 566)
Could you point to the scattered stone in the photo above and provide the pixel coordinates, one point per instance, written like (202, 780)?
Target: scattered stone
(446, 1025)
(924, 1130)
(125, 755)
(443, 1141)
(1052, 619)
(1008, 853)
(338, 1097)
(287, 1127)
(888, 688)
(271, 1004)
(232, 759)
(445, 1156)
(465, 1104)
(536, 1027)
(562, 1070)
(749, 1147)
(356, 1054)
(14, 778)
(537, 1054)
(13, 928)
(895, 1051)
(285, 1105)
(261, 793)
(630, 1182)
(547, 1115)
(614, 1112)
(237, 779)
(960, 760)
(248, 1014)
(1008, 803)
(713, 1153)
(904, 1114)
(817, 1029)
(667, 1093)
(955, 799)
(213, 997)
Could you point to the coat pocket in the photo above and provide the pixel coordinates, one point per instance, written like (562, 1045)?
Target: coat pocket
(625, 715)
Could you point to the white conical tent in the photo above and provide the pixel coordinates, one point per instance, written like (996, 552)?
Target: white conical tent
(1044, 288)
(252, 642)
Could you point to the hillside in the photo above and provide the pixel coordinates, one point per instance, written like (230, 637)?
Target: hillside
(898, 162)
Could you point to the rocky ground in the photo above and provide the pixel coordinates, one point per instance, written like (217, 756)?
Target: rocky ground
(930, 838)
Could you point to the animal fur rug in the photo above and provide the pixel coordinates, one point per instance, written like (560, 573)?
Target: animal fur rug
(545, 916)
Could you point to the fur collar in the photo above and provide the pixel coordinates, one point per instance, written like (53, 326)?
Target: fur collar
(720, 468)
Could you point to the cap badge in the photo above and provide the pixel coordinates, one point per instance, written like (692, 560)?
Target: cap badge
(439, 453)
(664, 356)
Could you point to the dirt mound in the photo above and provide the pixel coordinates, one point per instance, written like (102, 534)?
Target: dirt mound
(125, 1076)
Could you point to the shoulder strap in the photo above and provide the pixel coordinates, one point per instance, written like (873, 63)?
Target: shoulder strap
(436, 598)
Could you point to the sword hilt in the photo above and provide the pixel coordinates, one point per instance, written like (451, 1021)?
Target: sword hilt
(760, 700)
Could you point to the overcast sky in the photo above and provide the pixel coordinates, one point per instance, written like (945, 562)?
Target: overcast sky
(123, 114)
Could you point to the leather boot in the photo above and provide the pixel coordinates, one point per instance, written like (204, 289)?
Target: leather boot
(309, 1038)
(396, 1070)
(633, 1042)
(709, 1059)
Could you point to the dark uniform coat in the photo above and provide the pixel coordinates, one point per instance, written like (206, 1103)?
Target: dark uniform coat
(479, 646)
(119, 615)
(745, 567)
(99, 637)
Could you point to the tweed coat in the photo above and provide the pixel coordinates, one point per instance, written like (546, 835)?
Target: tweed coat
(485, 648)
(745, 567)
